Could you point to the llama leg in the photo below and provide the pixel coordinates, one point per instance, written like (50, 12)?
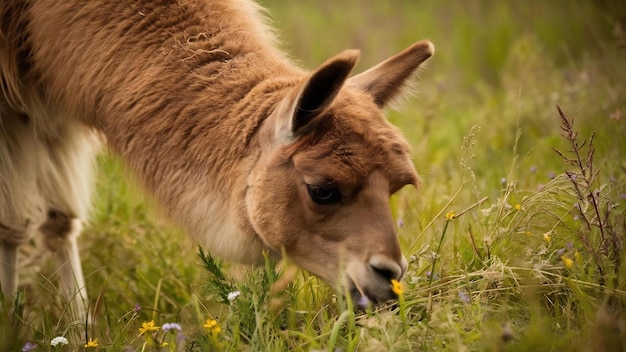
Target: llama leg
(61, 232)
(45, 182)
(8, 268)
(65, 183)
(20, 201)
(10, 240)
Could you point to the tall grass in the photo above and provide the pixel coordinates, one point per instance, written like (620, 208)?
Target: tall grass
(512, 246)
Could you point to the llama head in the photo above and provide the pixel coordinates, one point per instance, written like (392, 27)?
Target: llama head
(320, 190)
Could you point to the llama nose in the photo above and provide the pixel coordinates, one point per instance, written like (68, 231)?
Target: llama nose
(387, 268)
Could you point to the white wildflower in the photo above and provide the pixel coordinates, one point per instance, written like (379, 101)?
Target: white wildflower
(233, 295)
(58, 340)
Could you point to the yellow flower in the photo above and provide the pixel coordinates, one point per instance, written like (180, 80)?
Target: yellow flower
(568, 262)
(547, 237)
(212, 325)
(397, 287)
(92, 343)
(147, 327)
(450, 215)
(528, 233)
(518, 207)
(577, 256)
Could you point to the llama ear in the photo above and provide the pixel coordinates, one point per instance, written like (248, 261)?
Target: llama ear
(313, 96)
(386, 80)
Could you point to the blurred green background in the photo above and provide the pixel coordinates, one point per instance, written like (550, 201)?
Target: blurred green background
(499, 65)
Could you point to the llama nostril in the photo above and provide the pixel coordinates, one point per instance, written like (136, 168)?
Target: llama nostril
(386, 267)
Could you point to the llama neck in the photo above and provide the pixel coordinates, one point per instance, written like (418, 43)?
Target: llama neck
(194, 149)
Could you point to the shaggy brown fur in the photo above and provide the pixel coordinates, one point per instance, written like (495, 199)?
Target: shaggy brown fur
(242, 147)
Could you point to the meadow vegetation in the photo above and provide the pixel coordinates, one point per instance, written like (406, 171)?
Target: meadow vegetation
(515, 239)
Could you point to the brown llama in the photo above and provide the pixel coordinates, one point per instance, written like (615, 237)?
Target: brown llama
(246, 150)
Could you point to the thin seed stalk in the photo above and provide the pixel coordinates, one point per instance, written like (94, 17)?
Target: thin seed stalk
(432, 268)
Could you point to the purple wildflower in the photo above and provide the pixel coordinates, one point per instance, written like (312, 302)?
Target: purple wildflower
(464, 297)
(171, 326)
(400, 223)
(363, 302)
(137, 308)
(29, 346)
(560, 252)
(551, 175)
(533, 169)
(428, 273)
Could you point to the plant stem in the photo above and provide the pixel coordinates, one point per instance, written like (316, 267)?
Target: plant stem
(432, 268)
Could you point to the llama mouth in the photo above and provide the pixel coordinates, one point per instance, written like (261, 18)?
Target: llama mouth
(363, 299)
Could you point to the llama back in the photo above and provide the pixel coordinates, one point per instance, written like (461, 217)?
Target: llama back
(101, 60)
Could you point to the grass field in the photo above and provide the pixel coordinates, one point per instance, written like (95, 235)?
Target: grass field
(515, 240)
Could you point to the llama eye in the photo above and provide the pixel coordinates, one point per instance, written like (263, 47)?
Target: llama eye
(324, 194)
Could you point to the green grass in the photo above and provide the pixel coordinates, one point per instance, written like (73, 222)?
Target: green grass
(523, 265)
